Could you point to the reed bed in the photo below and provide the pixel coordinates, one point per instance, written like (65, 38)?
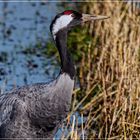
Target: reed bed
(108, 100)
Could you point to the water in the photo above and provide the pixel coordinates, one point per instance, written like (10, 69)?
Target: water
(22, 26)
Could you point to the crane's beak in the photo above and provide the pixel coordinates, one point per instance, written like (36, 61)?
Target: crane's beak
(87, 17)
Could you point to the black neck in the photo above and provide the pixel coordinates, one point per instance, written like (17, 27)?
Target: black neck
(67, 65)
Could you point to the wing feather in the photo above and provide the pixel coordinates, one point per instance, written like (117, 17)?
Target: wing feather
(8, 100)
(6, 106)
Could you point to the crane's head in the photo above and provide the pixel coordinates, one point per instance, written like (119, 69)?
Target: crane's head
(69, 19)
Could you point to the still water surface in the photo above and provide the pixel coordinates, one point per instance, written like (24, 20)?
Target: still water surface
(22, 26)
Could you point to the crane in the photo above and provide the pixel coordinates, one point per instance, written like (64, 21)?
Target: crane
(37, 111)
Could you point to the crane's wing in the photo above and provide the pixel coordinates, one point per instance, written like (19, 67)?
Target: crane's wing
(8, 101)
(6, 106)
(49, 112)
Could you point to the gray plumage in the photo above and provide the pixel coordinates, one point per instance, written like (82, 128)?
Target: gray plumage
(35, 111)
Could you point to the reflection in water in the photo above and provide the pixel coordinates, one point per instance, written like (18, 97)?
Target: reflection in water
(22, 26)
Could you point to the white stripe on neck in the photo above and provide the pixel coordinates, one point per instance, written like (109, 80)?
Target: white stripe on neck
(61, 23)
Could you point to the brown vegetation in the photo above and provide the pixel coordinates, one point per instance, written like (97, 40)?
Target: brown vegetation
(109, 94)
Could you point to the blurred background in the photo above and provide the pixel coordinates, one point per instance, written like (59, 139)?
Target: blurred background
(24, 32)
(106, 99)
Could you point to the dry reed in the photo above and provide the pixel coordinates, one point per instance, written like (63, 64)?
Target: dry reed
(109, 74)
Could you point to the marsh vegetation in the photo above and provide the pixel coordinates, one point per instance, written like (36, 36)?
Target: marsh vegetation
(108, 58)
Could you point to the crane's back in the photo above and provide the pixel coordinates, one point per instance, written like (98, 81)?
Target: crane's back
(35, 111)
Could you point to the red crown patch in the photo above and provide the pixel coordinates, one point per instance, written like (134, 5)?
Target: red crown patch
(68, 12)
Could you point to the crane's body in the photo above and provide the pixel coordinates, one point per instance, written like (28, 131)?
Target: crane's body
(36, 111)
